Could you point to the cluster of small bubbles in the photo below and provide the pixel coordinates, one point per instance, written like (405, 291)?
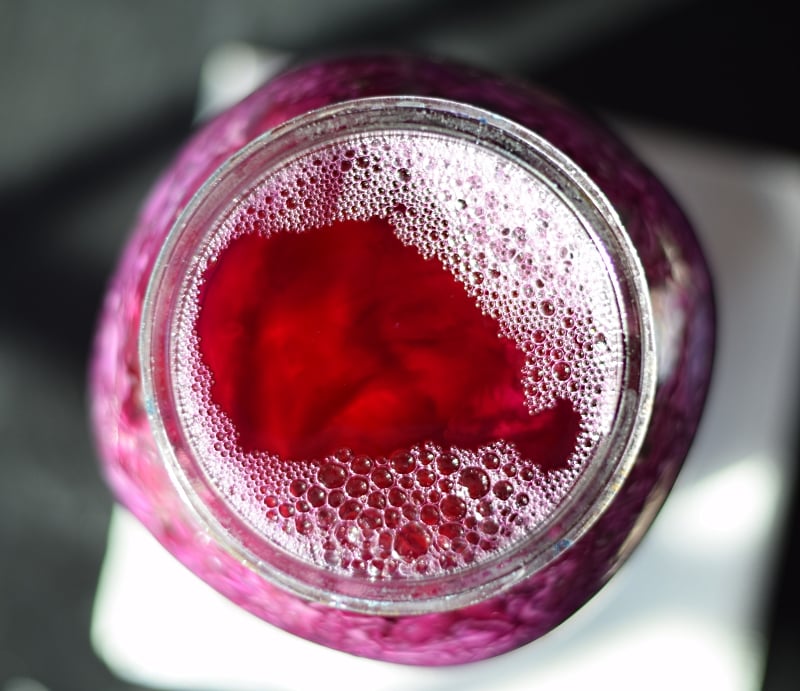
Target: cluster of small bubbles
(425, 509)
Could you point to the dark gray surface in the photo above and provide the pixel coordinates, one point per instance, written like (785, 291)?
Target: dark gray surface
(94, 98)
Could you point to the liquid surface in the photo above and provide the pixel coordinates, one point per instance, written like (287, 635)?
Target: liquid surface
(345, 338)
(395, 368)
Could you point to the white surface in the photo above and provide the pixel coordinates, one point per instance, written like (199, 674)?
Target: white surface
(685, 612)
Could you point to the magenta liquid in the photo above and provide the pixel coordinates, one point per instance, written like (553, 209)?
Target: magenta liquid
(400, 359)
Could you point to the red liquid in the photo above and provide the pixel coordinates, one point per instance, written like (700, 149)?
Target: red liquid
(345, 338)
(403, 382)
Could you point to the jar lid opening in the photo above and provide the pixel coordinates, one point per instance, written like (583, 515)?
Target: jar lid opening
(529, 241)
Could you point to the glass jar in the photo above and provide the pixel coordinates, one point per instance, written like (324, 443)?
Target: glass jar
(403, 358)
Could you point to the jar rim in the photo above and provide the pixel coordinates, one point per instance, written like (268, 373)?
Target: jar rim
(592, 492)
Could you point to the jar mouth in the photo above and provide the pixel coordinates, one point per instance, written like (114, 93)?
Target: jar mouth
(195, 242)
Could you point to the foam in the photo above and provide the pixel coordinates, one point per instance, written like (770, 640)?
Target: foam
(524, 258)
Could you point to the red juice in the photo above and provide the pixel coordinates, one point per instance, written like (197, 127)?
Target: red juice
(350, 360)
(413, 384)
(345, 338)
(409, 387)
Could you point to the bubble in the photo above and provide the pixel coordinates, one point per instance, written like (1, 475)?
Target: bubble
(336, 498)
(350, 509)
(316, 495)
(361, 465)
(461, 546)
(429, 514)
(418, 497)
(382, 478)
(427, 456)
(490, 460)
(356, 486)
(489, 526)
(562, 370)
(332, 475)
(412, 541)
(396, 496)
(426, 477)
(402, 462)
(526, 473)
(453, 507)
(391, 517)
(297, 488)
(343, 455)
(447, 464)
(485, 507)
(410, 512)
(503, 489)
(475, 481)
(286, 510)
(304, 525)
(370, 519)
(377, 500)
(325, 517)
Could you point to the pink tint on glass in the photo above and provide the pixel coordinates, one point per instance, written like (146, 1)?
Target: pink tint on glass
(459, 405)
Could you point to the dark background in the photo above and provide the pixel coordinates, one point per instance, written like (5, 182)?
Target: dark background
(95, 96)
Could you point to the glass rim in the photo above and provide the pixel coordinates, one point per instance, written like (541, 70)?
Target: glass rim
(584, 502)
